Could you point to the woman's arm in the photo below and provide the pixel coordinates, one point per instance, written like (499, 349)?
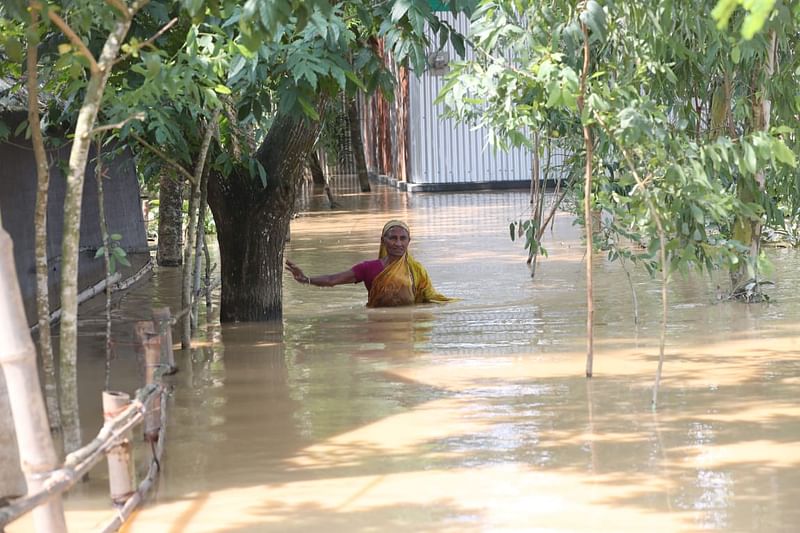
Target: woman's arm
(326, 280)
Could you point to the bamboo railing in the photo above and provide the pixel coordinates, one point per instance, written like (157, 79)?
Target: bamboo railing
(113, 441)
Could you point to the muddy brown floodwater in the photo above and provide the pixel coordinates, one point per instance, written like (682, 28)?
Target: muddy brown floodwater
(475, 415)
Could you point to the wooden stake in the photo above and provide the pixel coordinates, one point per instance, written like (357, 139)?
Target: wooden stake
(163, 320)
(147, 335)
(120, 459)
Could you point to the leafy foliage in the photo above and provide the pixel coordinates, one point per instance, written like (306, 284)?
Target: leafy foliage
(253, 59)
(116, 254)
(657, 70)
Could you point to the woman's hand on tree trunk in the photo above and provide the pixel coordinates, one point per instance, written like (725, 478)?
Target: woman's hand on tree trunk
(297, 272)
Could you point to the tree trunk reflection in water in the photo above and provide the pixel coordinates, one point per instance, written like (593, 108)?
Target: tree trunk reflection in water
(476, 415)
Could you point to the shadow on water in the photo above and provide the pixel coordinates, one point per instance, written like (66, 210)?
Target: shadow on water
(475, 416)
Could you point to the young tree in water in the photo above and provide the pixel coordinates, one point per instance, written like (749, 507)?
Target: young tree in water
(98, 63)
(758, 81)
(647, 101)
(658, 63)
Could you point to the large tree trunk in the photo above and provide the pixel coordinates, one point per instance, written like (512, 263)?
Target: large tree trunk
(251, 256)
(170, 231)
(252, 222)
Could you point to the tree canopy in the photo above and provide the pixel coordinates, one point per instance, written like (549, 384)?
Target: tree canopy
(671, 98)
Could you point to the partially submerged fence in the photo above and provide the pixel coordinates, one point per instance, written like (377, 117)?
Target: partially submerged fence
(46, 479)
(114, 441)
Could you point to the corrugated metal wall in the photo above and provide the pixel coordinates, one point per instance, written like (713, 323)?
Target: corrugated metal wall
(444, 151)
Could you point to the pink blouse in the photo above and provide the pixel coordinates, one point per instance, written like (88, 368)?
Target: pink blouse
(367, 271)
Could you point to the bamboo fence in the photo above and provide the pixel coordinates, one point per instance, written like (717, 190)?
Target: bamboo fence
(113, 441)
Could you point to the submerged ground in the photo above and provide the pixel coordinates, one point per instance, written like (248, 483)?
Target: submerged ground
(473, 416)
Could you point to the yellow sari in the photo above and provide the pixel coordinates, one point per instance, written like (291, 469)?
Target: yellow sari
(403, 282)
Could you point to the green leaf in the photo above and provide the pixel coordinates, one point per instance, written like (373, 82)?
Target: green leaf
(221, 89)
(750, 158)
(736, 54)
(722, 12)
(262, 172)
(115, 237)
(595, 18)
(783, 153)
(308, 109)
(355, 79)
(458, 44)
(554, 97)
(338, 74)
(15, 51)
(400, 8)
(237, 65)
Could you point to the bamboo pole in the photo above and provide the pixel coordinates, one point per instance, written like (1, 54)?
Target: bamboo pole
(12, 480)
(148, 336)
(87, 294)
(152, 473)
(125, 283)
(119, 458)
(18, 359)
(163, 321)
(116, 286)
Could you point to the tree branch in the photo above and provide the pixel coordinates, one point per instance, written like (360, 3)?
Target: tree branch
(116, 126)
(164, 157)
(149, 41)
(120, 6)
(71, 35)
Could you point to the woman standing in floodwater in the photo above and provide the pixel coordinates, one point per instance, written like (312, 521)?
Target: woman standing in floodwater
(395, 278)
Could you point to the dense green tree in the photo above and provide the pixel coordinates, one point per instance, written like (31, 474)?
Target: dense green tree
(273, 83)
(668, 114)
(268, 67)
(652, 95)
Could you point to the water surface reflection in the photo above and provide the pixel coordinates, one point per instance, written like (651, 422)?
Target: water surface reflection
(475, 416)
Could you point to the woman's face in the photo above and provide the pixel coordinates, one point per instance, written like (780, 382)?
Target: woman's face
(396, 241)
